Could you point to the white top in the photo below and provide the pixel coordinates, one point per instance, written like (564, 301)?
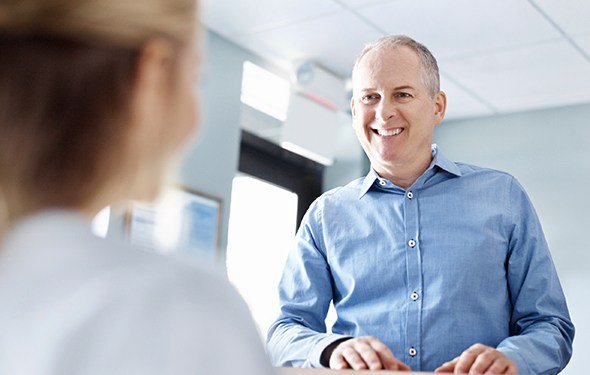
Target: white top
(72, 303)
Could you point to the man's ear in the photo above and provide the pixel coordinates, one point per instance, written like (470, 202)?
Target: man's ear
(440, 107)
(352, 104)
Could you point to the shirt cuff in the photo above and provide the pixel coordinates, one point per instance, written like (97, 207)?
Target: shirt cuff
(318, 349)
(514, 356)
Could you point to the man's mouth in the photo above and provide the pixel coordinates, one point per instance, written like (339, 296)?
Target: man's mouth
(388, 132)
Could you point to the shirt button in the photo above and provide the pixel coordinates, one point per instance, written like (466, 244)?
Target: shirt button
(411, 243)
(382, 182)
(414, 296)
(412, 352)
(410, 195)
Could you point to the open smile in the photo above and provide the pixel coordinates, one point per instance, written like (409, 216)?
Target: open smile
(388, 132)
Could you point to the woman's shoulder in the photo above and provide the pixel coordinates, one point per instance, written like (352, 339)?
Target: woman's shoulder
(161, 312)
(57, 250)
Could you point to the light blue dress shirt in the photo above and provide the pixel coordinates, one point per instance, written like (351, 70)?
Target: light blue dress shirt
(458, 258)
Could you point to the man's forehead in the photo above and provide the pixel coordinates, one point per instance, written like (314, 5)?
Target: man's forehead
(390, 62)
(385, 55)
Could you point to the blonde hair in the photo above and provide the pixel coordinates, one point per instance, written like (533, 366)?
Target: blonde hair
(67, 69)
(125, 23)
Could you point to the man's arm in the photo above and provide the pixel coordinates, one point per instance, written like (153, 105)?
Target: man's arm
(541, 332)
(541, 328)
(298, 337)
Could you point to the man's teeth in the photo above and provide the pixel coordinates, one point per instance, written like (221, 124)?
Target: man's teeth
(383, 132)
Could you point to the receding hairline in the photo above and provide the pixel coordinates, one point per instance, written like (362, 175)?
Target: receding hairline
(381, 49)
(429, 66)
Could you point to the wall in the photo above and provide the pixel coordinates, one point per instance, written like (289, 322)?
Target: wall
(350, 161)
(548, 151)
(210, 163)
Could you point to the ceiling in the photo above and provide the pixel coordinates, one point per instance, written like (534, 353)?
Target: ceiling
(495, 56)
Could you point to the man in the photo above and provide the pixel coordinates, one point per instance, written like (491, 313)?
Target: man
(430, 264)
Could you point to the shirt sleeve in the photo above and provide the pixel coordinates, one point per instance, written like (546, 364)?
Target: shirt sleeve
(298, 337)
(541, 331)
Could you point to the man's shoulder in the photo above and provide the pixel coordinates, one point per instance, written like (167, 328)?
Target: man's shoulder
(479, 172)
(467, 168)
(336, 198)
(343, 193)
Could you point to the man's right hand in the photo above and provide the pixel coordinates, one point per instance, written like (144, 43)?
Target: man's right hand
(365, 353)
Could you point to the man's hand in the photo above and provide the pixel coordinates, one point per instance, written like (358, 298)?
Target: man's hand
(480, 359)
(362, 353)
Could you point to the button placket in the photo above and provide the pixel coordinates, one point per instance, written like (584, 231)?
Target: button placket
(414, 279)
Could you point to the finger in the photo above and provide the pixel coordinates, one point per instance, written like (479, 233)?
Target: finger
(512, 370)
(354, 359)
(403, 367)
(397, 365)
(368, 355)
(484, 360)
(388, 360)
(499, 366)
(447, 366)
(337, 362)
(467, 358)
(394, 364)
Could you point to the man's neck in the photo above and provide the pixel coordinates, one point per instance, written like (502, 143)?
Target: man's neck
(404, 175)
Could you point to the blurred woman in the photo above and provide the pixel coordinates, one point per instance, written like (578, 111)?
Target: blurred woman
(96, 96)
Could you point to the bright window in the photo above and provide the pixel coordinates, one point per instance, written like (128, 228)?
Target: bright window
(265, 91)
(261, 232)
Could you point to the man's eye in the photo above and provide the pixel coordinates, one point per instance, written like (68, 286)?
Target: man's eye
(369, 98)
(404, 95)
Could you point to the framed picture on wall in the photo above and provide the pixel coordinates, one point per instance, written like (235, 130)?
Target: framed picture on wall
(182, 220)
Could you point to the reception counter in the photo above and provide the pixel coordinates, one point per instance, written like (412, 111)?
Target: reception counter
(313, 371)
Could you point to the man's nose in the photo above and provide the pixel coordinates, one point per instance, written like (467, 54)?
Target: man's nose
(386, 110)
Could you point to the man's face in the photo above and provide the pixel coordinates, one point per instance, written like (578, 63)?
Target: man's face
(393, 112)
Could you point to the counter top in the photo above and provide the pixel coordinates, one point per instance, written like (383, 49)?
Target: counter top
(315, 371)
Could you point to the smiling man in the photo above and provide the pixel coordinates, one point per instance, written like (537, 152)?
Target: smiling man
(430, 264)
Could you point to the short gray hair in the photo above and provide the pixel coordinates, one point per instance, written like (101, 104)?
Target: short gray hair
(430, 74)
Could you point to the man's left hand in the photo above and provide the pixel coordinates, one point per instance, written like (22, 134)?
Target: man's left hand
(480, 359)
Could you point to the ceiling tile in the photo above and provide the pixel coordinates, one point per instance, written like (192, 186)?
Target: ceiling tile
(543, 75)
(583, 41)
(229, 17)
(459, 27)
(321, 39)
(504, 51)
(361, 3)
(461, 104)
(573, 16)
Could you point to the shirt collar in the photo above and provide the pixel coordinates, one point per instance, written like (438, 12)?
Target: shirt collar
(443, 162)
(438, 159)
(368, 182)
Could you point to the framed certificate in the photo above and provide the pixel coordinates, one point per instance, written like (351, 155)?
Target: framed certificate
(181, 220)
